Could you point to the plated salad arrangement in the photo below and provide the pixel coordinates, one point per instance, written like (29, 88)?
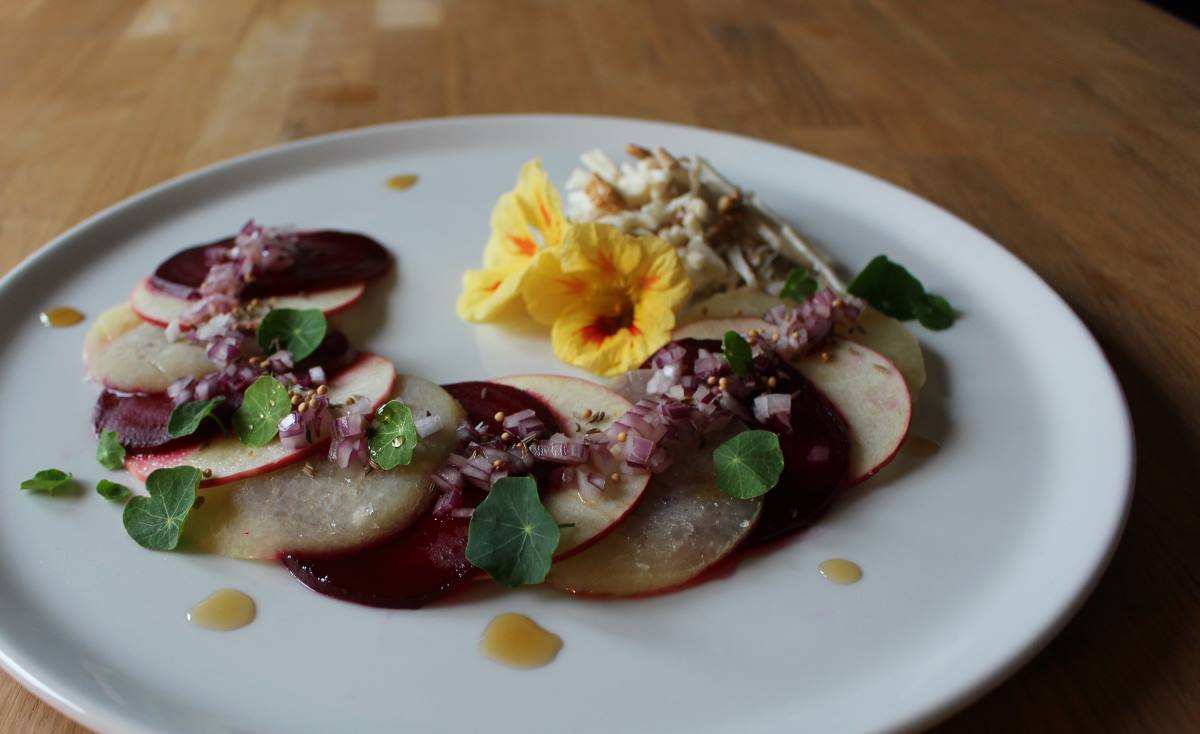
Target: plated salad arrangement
(737, 385)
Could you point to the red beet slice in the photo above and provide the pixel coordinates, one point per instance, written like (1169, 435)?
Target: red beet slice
(816, 451)
(429, 559)
(140, 421)
(405, 573)
(324, 259)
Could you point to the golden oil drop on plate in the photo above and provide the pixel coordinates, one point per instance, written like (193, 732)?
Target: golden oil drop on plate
(403, 182)
(60, 317)
(518, 642)
(840, 571)
(223, 610)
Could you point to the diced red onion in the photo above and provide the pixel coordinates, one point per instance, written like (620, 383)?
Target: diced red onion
(774, 406)
(427, 425)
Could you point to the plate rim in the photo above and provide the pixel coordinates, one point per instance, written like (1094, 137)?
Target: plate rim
(100, 716)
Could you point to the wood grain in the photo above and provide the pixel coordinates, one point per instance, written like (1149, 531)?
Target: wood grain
(1069, 131)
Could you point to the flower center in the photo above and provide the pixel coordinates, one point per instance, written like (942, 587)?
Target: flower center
(606, 325)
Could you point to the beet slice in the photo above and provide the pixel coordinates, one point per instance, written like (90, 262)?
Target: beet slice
(407, 572)
(140, 419)
(816, 450)
(428, 559)
(324, 259)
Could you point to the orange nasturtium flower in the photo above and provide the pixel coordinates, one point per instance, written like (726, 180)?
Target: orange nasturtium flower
(525, 221)
(610, 297)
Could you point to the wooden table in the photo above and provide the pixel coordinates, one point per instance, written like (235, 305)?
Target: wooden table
(1069, 131)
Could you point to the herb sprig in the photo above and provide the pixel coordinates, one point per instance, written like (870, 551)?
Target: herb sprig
(737, 353)
(893, 290)
(186, 417)
(109, 452)
(799, 286)
(47, 480)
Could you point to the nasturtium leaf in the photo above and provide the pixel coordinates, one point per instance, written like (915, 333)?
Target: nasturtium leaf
(299, 331)
(737, 352)
(155, 522)
(749, 464)
(47, 480)
(889, 288)
(511, 535)
(893, 290)
(186, 417)
(109, 452)
(264, 404)
(393, 435)
(799, 286)
(935, 313)
(112, 490)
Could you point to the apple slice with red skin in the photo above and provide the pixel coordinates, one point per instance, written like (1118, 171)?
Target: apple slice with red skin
(160, 308)
(569, 397)
(682, 528)
(866, 387)
(327, 509)
(122, 352)
(370, 377)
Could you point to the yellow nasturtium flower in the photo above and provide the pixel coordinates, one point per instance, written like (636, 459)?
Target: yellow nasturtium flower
(610, 297)
(525, 221)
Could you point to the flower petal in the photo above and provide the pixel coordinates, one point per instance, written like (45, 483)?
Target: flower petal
(540, 202)
(548, 291)
(487, 293)
(512, 242)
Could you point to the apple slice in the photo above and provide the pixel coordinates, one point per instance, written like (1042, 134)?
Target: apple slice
(738, 303)
(227, 459)
(330, 509)
(682, 528)
(160, 308)
(893, 340)
(882, 333)
(569, 397)
(866, 387)
(123, 352)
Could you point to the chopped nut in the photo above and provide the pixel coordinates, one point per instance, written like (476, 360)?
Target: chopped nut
(207, 472)
(772, 382)
(310, 471)
(499, 417)
(603, 195)
(322, 389)
(637, 151)
(826, 356)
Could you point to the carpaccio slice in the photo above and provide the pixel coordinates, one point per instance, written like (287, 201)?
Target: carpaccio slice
(816, 452)
(140, 419)
(429, 559)
(324, 259)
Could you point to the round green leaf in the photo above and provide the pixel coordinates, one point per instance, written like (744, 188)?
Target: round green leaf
(749, 464)
(298, 331)
(186, 418)
(512, 537)
(155, 522)
(393, 435)
(264, 404)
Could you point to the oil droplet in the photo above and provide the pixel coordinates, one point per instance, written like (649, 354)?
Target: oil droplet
(60, 316)
(402, 182)
(223, 610)
(518, 642)
(840, 571)
(920, 446)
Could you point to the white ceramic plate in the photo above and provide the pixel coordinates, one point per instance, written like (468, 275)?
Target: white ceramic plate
(972, 560)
